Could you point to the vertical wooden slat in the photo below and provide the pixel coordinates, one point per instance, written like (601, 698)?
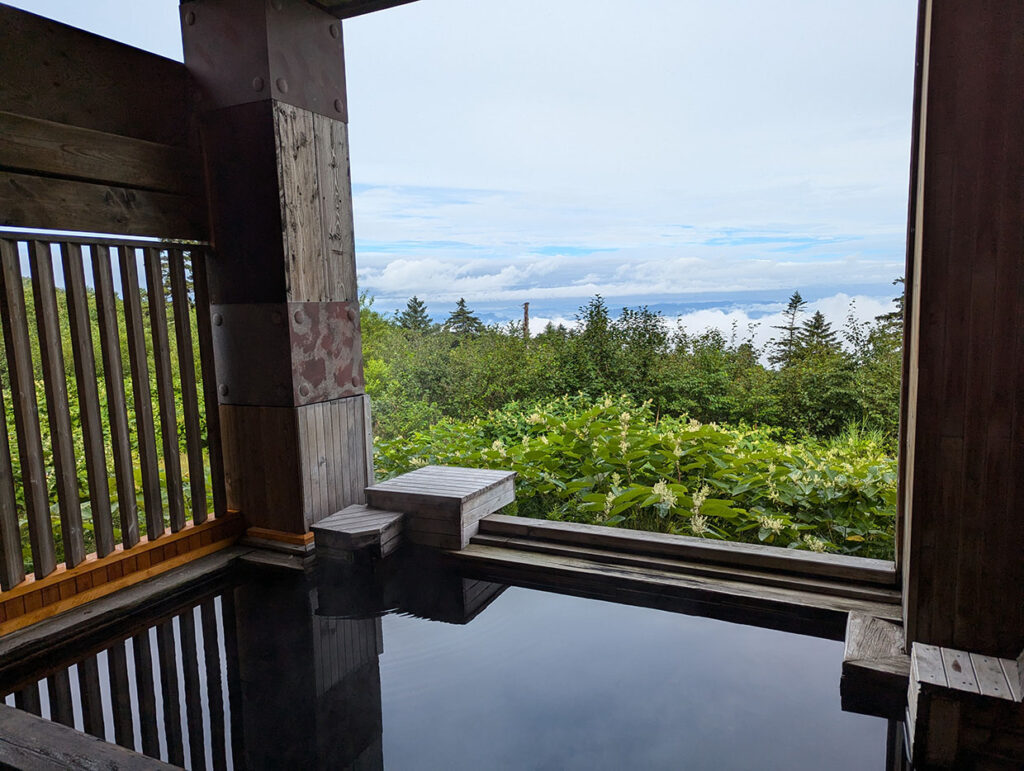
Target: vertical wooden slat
(26, 411)
(59, 686)
(117, 409)
(57, 411)
(227, 604)
(92, 701)
(88, 397)
(169, 686)
(164, 388)
(193, 700)
(189, 395)
(120, 696)
(213, 440)
(12, 563)
(214, 685)
(141, 397)
(145, 687)
(27, 700)
(368, 443)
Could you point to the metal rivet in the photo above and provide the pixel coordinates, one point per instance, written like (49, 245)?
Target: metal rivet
(304, 390)
(282, 85)
(217, 319)
(190, 18)
(339, 106)
(223, 390)
(275, 317)
(335, 31)
(257, 84)
(299, 317)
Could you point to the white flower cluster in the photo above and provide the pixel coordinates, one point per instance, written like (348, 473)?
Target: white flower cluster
(667, 496)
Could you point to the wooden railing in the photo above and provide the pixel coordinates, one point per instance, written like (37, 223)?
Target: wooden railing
(106, 377)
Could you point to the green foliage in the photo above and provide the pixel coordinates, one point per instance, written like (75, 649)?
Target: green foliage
(611, 461)
(414, 317)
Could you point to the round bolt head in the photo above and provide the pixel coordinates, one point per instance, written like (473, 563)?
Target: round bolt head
(223, 389)
(218, 320)
(257, 84)
(335, 31)
(355, 380)
(339, 106)
(352, 315)
(304, 390)
(190, 18)
(282, 85)
(300, 317)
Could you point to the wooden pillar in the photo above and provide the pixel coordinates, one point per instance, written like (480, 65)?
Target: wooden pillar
(282, 280)
(963, 482)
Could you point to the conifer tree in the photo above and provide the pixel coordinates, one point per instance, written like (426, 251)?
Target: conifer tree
(462, 321)
(816, 336)
(785, 348)
(414, 317)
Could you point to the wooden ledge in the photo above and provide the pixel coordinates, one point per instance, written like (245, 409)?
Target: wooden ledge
(36, 599)
(836, 566)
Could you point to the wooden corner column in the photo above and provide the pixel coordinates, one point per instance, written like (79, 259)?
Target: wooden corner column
(963, 483)
(282, 277)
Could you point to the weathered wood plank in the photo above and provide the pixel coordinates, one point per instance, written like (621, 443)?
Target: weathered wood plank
(214, 443)
(697, 549)
(929, 666)
(189, 392)
(27, 700)
(12, 562)
(138, 360)
(149, 732)
(58, 414)
(332, 159)
(31, 742)
(26, 411)
(1014, 677)
(959, 670)
(164, 386)
(93, 450)
(28, 201)
(876, 671)
(357, 527)
(117, 408)
(990, 677)
(46, 148)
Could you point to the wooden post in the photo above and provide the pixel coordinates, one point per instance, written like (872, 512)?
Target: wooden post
(284, 304)
(963, 496)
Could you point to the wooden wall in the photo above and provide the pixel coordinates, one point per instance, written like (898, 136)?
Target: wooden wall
(963, 485)
(97, 136)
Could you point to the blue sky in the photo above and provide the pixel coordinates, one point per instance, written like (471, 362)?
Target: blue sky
(658, 152)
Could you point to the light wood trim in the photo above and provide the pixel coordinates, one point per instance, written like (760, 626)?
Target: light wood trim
(36, 599)
(296, 539)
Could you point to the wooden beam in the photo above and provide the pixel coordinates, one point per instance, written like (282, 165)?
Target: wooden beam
(42, 147)
(28, 201)
(965, 393)
(346, 9)
(58, 73)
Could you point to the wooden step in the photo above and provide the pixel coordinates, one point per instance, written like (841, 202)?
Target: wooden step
(356, 528)
(444, 504)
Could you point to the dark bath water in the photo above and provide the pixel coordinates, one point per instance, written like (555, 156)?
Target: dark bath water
(517, 678)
